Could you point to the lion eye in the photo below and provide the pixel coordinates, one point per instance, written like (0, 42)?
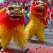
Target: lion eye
(37, 3)
(10, 8)
(19, 11)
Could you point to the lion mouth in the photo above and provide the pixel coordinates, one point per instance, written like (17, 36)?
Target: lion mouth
(40, 9)
(15, 17)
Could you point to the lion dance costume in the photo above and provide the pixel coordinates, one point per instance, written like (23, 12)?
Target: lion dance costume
(12, 25)
(38, 19)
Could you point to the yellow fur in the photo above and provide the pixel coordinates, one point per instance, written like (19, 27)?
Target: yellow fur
(35, 27)
(17, 33)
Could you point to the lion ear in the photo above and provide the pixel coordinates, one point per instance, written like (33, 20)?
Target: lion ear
(46, 5)
(3, 10)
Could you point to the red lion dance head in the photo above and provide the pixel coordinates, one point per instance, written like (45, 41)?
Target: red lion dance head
(39, 8)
